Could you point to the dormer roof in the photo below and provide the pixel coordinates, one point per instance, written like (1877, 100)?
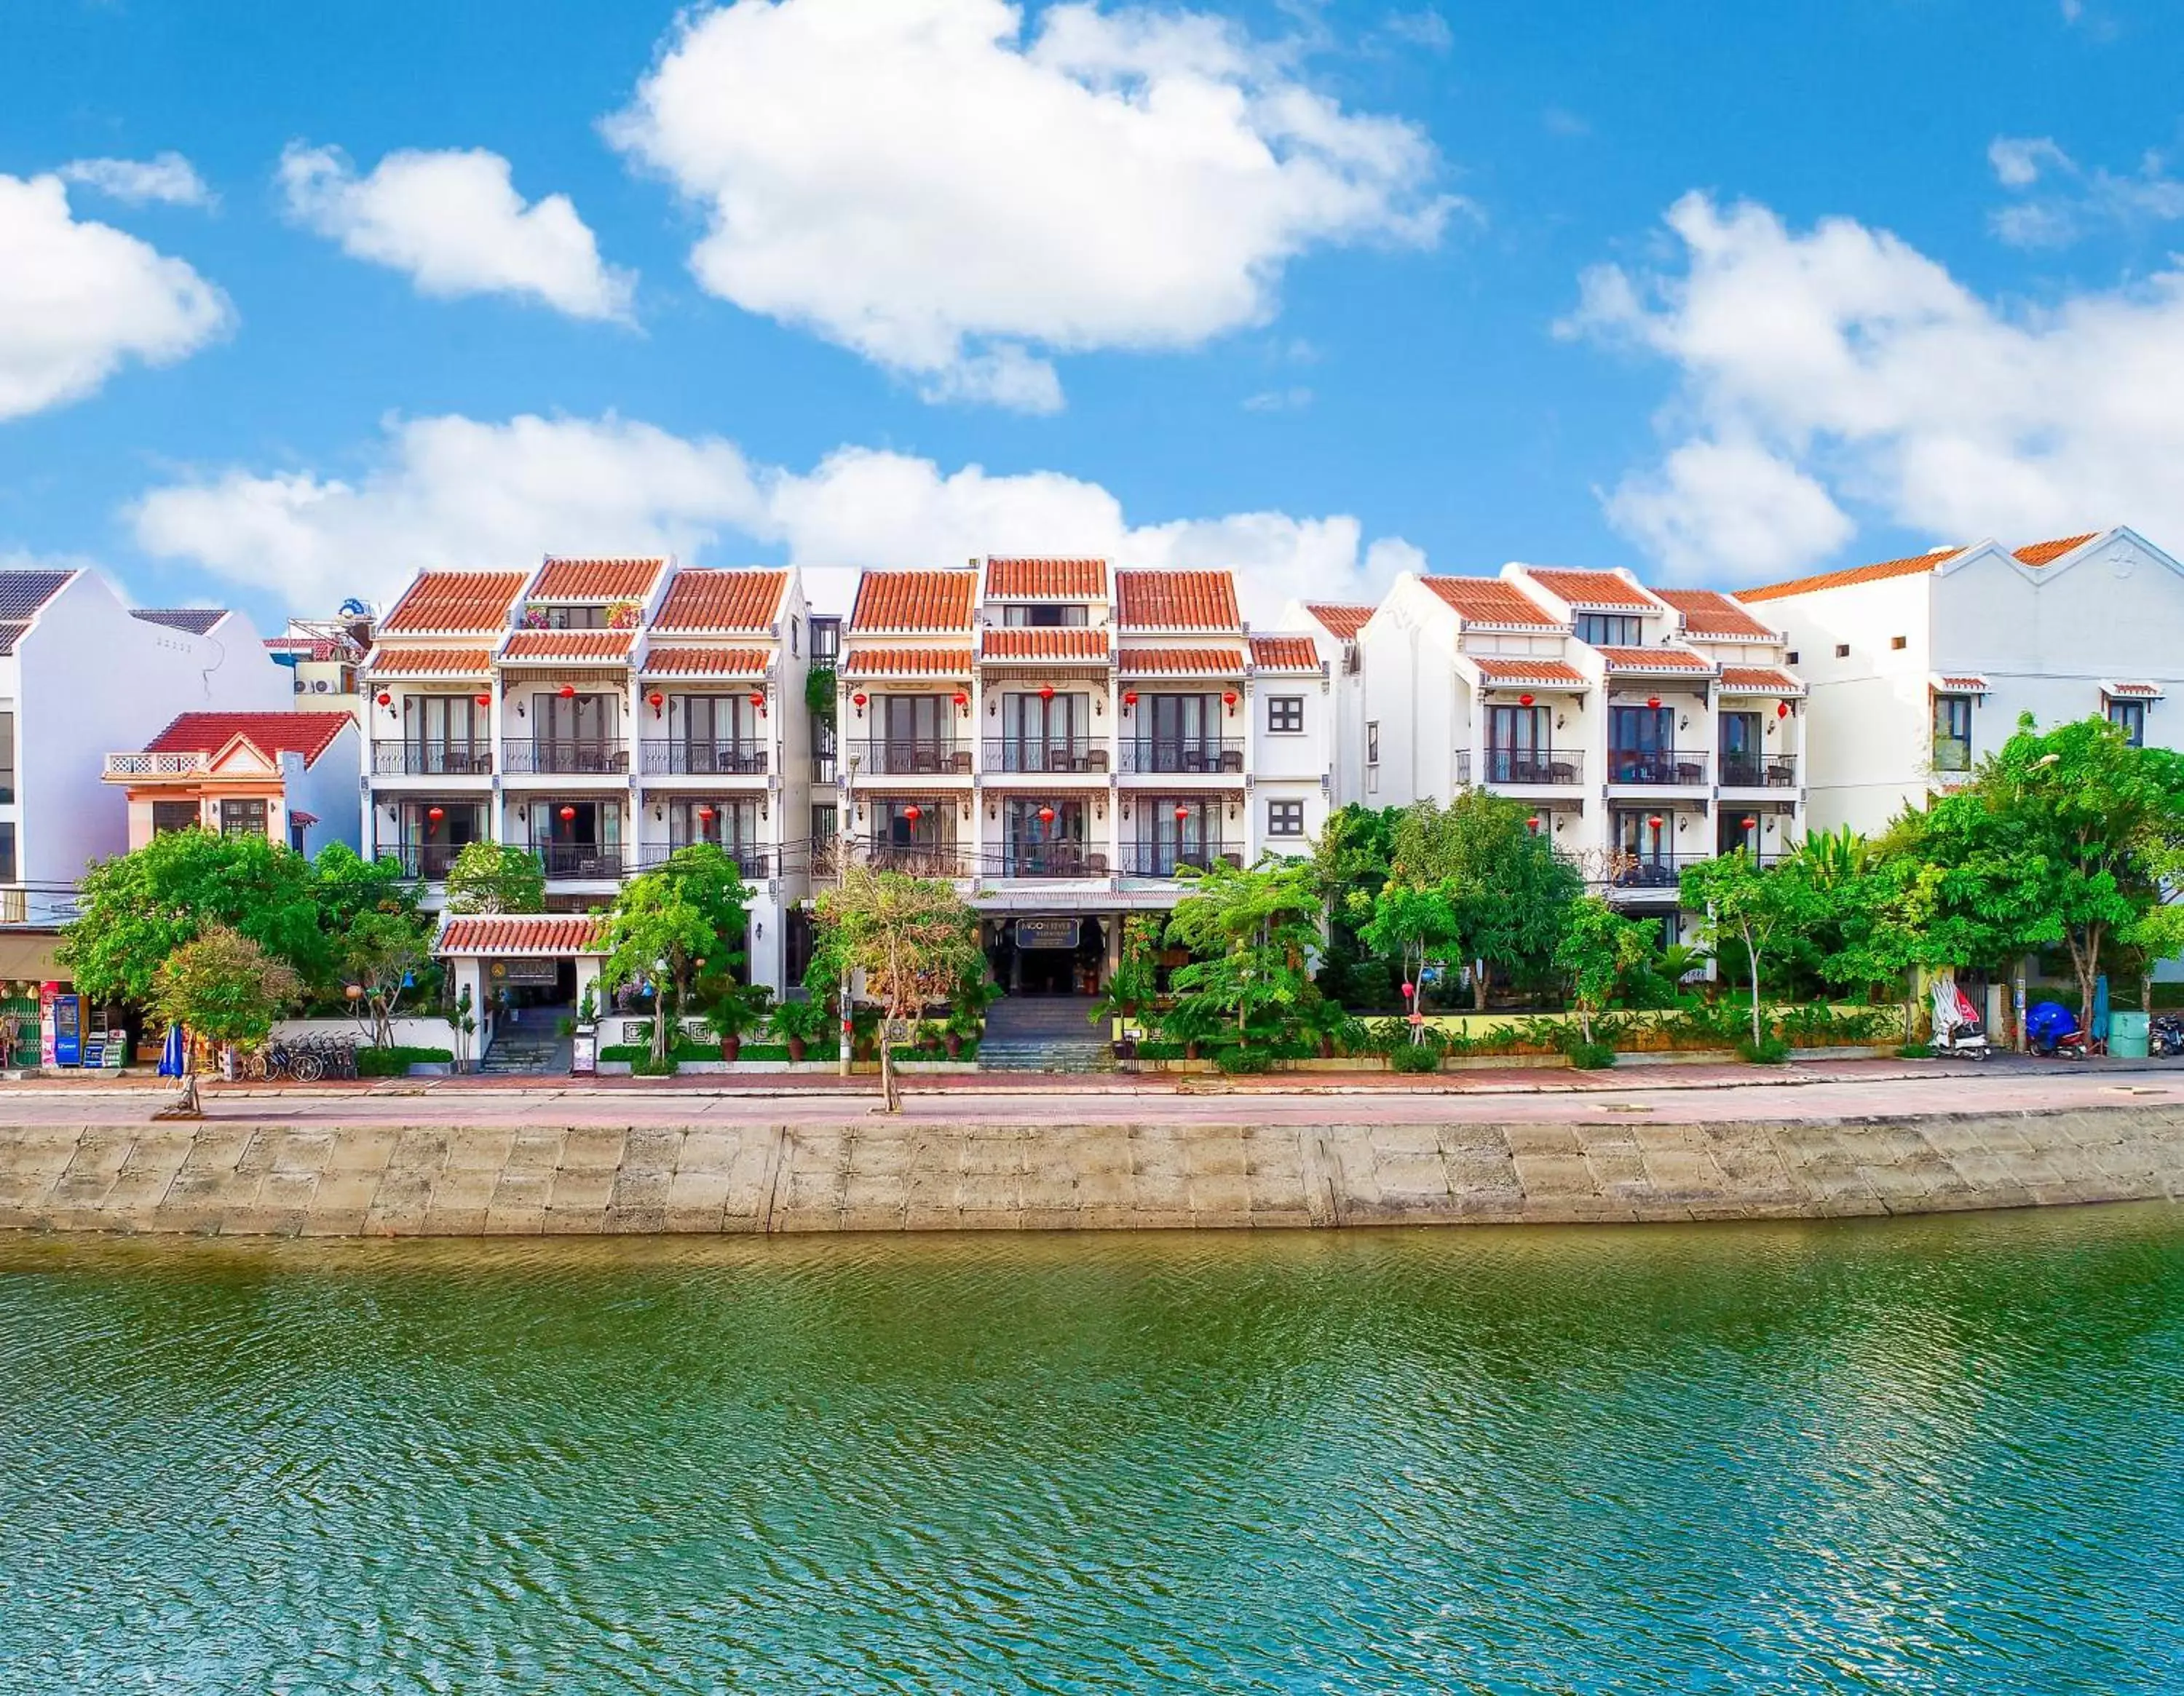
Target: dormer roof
(913, 601)
(727, 601)
(596, 580)
(1176, 600)
(1490, 600)
(455, 604)
(1710, 613)
(1046, 579)
(1591, 588)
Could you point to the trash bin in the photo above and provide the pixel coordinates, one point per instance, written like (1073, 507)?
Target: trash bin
(2127, 1035)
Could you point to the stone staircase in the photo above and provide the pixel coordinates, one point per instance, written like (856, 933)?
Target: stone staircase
(529, 1044)
(1044, 1033)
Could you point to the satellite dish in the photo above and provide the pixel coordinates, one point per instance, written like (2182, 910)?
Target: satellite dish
(354, 609)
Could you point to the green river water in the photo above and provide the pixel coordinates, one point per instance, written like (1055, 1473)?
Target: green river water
(1924, 1455)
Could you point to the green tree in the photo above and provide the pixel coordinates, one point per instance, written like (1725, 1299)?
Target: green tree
(496, 877)
(1507, 888)
(383, 955)
(1412, 926)
(222, 986)
(137, 908)
(1597, 948)
(1753, 906)
(1350, 860)
(656, 934)
(1252, 931)
(709, 878)
(1133, 987)
(915, 940)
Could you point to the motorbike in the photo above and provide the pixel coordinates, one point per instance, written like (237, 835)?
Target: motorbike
(1958, 1030)
(2052, 1031)
(2164, 1036)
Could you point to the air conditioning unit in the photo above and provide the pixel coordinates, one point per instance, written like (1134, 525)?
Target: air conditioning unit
(320, 687)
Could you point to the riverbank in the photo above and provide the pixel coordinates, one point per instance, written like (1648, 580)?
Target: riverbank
(1607, 1160)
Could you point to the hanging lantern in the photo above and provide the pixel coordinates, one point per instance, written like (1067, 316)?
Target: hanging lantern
(758, 700)
(568, 691)
(705, 816)
(1046, 692)
(655, 700)
(568, 814)
(1654, 701)
(1409, 989)
(1532, 824)
(386, 699)
(962, 697)
(1046, 815)
(1781, 710)
(483, 700)
(435, 814)
(1750, 824)
(1229, 699)
(1523, 700)
(858, 699)
(1181, 814)
(1653, 821)
(1129, 697)
(913, 813)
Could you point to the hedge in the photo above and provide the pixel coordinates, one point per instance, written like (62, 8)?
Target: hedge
(395, 1062)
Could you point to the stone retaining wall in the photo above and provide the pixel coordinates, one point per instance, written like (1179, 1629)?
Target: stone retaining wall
(872, 1175)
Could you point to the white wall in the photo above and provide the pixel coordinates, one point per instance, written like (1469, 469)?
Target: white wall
(329, 788)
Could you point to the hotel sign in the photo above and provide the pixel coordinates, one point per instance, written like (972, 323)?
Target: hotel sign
(1046, 933)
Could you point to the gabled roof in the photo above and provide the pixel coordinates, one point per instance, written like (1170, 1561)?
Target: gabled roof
(23, 593)
(1653, 659)
(430, 662)
(1589, 588)
(2035, 553)
(522, 933)
(718, 600)
(2046, 552)
(1489, 600)
(597, 580)
(197, 620)
(1067, 641)
(1176, 600)
(1509, 668)
(1339, 619)
(1763, 679)
(610, 647)
(455, 603)
(705, 662)
(913, 601)
(1285, 653)
(907, 662)
(1709, 612)
(1181, 662)
(274, 734)
(1047, 580)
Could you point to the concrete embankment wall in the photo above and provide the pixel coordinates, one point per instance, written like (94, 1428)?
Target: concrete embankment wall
(875, 1176)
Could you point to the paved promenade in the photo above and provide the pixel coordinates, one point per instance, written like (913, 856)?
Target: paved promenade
(453, 1159)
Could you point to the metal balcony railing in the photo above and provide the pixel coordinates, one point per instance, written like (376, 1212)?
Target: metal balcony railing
(1183, 754)
(916, 860)
(598, 756)
(1541, 767)
(1044, 754)
(431, 758)
(581, 859)
(909, 757)
(1160, 859)
(752, 862)
(1758, 771)
(1679, 767)
(1642, 874)
(1044, 859)
(725, 757)
(425, 859)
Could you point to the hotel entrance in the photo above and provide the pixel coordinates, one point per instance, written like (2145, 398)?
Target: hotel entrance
(1048, 956)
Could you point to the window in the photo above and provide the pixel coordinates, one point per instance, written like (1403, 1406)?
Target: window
(1609, 629)
(572, 618)
(1285, 715)
(6, 757)
(826, 640)
(1899, 643)
(822, 827)
(795, 631)
(1284, 818)
(242, 818)
(1791, 657)
(1842, 650)
(1953, 733)
(174, 816)
(2131, 715)
(1373, 743)
(1044, 617)
(7, 853)
(296, 834)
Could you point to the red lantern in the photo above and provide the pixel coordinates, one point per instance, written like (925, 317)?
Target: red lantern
(1653, 821)
(758, 700)
(1129, 697)
(1409, 989)
(1229, 699)
(1181, 814)
(435, 814)
(705, 814)
(656, 701)
(859, 698)
(1751, 824)
(962, 697)
(1046, 815)
(1781, 710)
(1523, 700)
(386, 699)
(567, 814)
(568, 691)
(913, 813)
(1046, 692)
(1533, 824)
(483, 700)
(1654, 701)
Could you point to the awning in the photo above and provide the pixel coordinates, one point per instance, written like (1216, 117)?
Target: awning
(1960, 683)
(2131, 689)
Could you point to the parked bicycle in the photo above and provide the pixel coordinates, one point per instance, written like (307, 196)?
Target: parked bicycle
(278, 1059)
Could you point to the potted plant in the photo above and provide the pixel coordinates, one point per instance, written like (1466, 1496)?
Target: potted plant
(963, 1024)
(741, 1009)
(798, 1023)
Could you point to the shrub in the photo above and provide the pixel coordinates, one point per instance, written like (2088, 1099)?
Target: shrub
(1592, 1057)
(1915, 1051)
(395, 1062)
(1769, 1051)
(1415, 1057)
(642, 1066)
(1244, 1061)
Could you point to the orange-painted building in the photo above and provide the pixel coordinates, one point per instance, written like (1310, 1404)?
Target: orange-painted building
(293, 777)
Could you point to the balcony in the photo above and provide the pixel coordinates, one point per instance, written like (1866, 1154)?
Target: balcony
(429, 860)
(1681, 767)
(1160, 859)
(1560, 768)
(917, 859)
(752, 862)
(581, 859)
(1758, 771)
(1183, 754)
(910, 756)
(431, 760)
(730, 758)
(1049, 753)
(591, 756)
(1044, 859)
(191, 763)
(1657, 876)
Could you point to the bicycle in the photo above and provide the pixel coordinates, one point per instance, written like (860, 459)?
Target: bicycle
(290, 1060)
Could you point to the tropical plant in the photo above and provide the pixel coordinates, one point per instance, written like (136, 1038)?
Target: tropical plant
(1755, 906)
(914, 940)
(383, 955)
(1350, 862)
(736, 1011)
(1414, 924)
(801, 1023)
(1598, 947)
(1251, 931)
(1134, 985)
(1509, 890)
(655, 935)
(224, 988)
(496, 877)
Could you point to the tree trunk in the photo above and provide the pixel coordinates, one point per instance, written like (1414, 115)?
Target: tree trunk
(890, 1095)
(659, 1026)
(2087, 962)
(1478, 987)
(1754, 952)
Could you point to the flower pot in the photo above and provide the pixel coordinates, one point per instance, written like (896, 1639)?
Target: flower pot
(796, 1046)
(954, 1044)
(730, 1047)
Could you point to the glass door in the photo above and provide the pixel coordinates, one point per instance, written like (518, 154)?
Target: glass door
(1518, 744)
(1741, 752)
(1639, 741)
(1180, 733)
(1643, 858)
(575, 733)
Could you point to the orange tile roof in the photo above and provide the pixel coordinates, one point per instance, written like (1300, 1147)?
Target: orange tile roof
(705, 662)
(430, 662)
(723, 600)
(1709, 612)
(1589, 588)
(611, 646)
(1047, 580)
(309, 734)
(1973, 684)
(1181, 662)
(597, 580)
(906, 662)
(914, 600)
(1176, 600)
(523, 933)
(1285, 653)
(1653, 659)
(1076, 643)
(2046, 552)
(1764, 678)
(1489, 600)
(1339, 620)
(2153, 689)
(1910, 566)
(1502, 668)
(455, 601)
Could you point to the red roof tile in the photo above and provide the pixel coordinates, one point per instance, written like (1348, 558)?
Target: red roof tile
(1709, 612)
(1046, 642)
(1589, 588)
(523, 933)
(914, 600)
(2152, 689)
(705, 662)
(1972, 684)
(1653, 659)
(1764, 678)
(2046, 552)
(597, 580)
(1489, 600)
(1345, 621)
(1505, 668)
(1047, 580)
(1181, 662)
(723, 600)
(309, 734)
(906, 662)
(610, 646)
(430, 662)
(455, 601)
(1912, 566)
(1176, 600)
(1285, 653)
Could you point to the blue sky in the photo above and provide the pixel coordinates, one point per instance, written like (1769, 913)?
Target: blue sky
(1322, 291)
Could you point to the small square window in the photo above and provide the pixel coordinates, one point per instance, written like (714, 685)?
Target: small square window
(1842, 650)
(1284, 818)
(1373, 743)
(1285, 715)
(1899, 643)
(1793, 656)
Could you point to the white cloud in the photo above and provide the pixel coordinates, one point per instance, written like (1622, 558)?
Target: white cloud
(78, 299)
(1842, 367)
(918, 182)
(1279, 400)
(456, 493)
(169, 178)
(454, 221)
(2074, 199)
(1425, 28)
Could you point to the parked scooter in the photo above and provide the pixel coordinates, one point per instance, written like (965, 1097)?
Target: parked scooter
(2164, 1036)
(2052, 1030)
(1958, 1032)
